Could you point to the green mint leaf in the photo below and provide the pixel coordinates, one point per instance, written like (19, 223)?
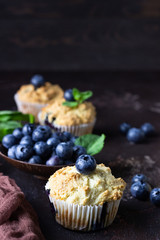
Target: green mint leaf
(9, 120)
(16, 116)
(85, 95)
(70, 104)
(8, 127)
(91, 142)
(76, 94)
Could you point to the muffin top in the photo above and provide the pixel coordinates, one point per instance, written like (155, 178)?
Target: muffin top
(43, 94)
(94, 189)
(67, 116)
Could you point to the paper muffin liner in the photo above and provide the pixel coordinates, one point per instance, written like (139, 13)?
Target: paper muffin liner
(77, 130)
(84, 218)
(26, 107)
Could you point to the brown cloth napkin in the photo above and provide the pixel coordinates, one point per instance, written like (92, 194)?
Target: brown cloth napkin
(18, 220)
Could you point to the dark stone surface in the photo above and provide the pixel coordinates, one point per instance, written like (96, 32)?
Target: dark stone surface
(79, 35)
(119, 97)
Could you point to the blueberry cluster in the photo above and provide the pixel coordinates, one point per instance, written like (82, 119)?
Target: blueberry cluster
(137, 135)
(141, 189)
(38, 145)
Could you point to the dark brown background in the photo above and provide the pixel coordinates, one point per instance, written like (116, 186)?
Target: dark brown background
(79, 35)
(113, 49)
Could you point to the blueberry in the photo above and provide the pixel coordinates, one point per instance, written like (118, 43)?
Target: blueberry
(68, 95)
(41, 149)
(35, 159)
(64, 150)
(37, 81)
(68, 162)
(63, 137)
(9, 140)
(139, 177)
(124, 127)
(155, 196)
(41, 133)
(73, 139)
(11, 152)
(77, 151)
(28, 129)
(53, 142)
(68, 135)
(71, 144)
(85, 164)
(148, 129)
(23, 152)
(135, 135)
(54, 160)
(27, 140)
(140, 190)
(18, 133)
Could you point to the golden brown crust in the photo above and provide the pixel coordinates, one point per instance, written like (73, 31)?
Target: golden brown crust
(95, 189)
(43, 95)
(66, 116)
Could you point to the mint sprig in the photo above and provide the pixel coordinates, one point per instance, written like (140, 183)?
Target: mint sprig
(79, 98)
(9, 120)
(91, 142)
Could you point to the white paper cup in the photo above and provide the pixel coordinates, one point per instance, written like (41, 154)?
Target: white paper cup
(84, 218)
(77, 130)
(26, 107)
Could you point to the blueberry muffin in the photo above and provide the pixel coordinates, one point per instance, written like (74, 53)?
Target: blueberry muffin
(31, 98)
(78, 120)
(85, 196)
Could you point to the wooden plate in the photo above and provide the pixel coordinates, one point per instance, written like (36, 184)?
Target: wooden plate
(39, 170)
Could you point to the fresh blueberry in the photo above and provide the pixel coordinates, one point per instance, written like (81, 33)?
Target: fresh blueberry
(23, 152)
(68, 95)
(28, 129)
(9, 140)
(27, 140)
(68, 162)
(18, 133)
(41, 149)
(71, 144)
(11, 152)
(68, 135)
(41, 133)
(140, 190)
(155, 196)
(35, 159)
(124, 127)
(64, 150)
(54, 160)
(77, 151)
(148, 129)
(37, 81)
(135, 135)
(73, 139)
(53, 142)
(139, 177)
(85, 164)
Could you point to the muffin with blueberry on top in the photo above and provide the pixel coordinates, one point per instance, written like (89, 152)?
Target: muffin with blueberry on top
(85, 196)
(72, 113)
(31, 98)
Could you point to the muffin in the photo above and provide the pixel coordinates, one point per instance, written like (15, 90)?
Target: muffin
(85, 201)
(78, 120)
(31, 98)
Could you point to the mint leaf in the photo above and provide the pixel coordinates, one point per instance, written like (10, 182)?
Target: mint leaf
(91, 142)
(8, 127)
(85, 95)
(9, 120)
(70, 104)
(76, 94)
(16, 116)
(79, 97)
